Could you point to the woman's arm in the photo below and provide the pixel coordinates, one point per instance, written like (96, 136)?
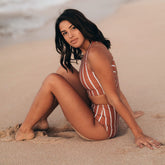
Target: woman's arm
(100, 60)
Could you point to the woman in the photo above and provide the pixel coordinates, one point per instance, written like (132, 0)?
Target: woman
(91, 99)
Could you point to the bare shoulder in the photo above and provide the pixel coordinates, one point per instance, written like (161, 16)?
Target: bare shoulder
(99, 52)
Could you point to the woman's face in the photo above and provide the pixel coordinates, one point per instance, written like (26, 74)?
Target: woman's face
(71, 34)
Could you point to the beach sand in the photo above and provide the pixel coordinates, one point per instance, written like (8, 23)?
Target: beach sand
(137, 33)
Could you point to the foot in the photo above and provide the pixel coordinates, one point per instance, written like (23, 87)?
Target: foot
(42, 125)
(23, 134)
(137, 114)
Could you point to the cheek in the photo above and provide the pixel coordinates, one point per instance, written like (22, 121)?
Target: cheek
(80, 35)
(66, 38)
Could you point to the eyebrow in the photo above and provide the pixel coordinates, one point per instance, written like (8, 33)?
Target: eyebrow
(69, 28)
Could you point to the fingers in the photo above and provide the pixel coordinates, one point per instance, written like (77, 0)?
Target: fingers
(148, 142)
(149, 145)
(138, 114)
(155, 143)
(142, 144)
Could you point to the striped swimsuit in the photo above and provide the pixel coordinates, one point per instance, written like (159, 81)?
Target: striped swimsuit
(105, 114)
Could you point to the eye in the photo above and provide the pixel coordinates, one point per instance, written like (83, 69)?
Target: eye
(64, 33)
(74, 27)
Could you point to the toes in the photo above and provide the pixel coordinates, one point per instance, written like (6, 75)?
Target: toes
(24, 136)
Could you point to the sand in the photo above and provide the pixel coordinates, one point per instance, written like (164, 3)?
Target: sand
(137, 33)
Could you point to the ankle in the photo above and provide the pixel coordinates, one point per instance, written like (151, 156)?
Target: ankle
(41, 125)
(25, 129)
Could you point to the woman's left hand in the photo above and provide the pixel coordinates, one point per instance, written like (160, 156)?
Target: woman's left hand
(138, 114)
(144, 140)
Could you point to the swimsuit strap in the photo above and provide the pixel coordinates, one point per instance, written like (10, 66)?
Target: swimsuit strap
(88, 50)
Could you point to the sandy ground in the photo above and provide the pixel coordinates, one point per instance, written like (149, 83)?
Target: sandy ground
(137, 33)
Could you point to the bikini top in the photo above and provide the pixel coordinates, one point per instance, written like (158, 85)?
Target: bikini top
(88, 78)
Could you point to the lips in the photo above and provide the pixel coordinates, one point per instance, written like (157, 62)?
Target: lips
(74, 41)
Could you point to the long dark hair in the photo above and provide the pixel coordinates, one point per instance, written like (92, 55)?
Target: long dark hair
(88, 29)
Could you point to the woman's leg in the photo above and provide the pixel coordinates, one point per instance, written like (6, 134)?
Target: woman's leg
(42, 107)
(42, 124)
(74, 108)
(74, 81)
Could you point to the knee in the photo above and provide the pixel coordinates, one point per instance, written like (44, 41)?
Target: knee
(51, 80)
(63, 72)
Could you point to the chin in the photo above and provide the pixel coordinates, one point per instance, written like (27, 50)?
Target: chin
(76, 45)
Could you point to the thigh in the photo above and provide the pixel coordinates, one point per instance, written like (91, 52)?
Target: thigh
(75, 109)
(74, 81)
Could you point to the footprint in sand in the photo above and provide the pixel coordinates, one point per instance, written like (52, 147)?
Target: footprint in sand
(9, 133)
(159, 116)
(124, 150)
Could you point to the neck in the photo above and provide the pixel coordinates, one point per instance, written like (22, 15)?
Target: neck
(85, 46)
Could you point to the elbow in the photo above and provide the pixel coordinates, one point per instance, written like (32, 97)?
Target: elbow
(114, 101)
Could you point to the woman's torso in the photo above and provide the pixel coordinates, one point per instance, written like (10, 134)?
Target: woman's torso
(88, 78)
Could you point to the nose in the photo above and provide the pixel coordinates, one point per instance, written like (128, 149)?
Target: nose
(70, 35)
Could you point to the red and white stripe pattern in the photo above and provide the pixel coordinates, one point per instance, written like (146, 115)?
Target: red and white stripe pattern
(107, 116)
(104, 113)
